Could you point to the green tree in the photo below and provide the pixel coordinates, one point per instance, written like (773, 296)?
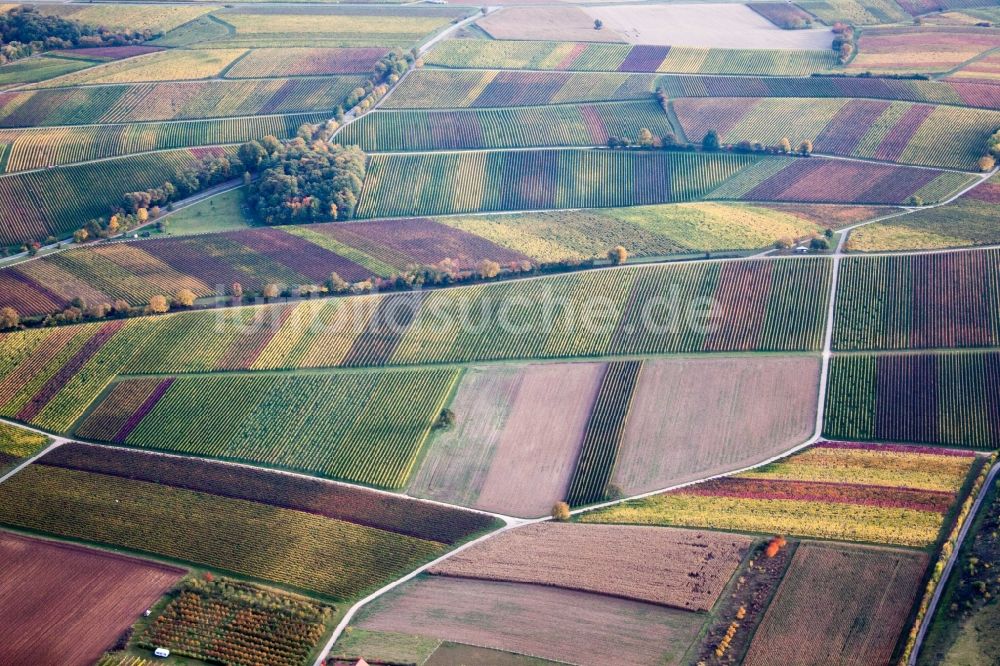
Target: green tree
(711, 141)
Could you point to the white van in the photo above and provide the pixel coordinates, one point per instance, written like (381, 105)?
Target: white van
(162, 653)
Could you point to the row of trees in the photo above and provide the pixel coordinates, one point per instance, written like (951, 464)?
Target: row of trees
(24, 31)
(989, 160)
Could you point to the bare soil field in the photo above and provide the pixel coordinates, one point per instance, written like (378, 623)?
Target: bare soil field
(562, 625)
(839, 603)
(458, 459)
(696, 417)
(63, 604)
(570, 24)
(673, 567)
(728, 26)
(517, 435)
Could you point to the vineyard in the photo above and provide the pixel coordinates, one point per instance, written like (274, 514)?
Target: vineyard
(896, 132)
(851, 492)
(333, 558)
(171, 65)
(180, 100)
(603, 434)
(231, 622)
(920, 301)
(524, 180)
(826, 180)
(55, 202)
(967, 221)
(867, 594)
(932, 398)
(264, 63)
(383, 511)
(978, 95)
(17, 444)
(909, 49)
(42, 147)
(30, 70)
(441, 89)
(597, 57)
(355, 427)
(522, 127)
(986, 70)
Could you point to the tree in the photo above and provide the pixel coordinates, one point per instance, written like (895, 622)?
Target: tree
(184, 298)
(618, 255)
(783, 243)
(828, 233)
(806, 147)
(785, 145)
(121, 307)
(711, 141)
(80, 236)
(9, 318)
(819, 243)
(336, 284)
(270, 291)
(560, 511)
(157, 305)
(487, 269)
(916, 201)
(236, 292)
(645, 138)
(445, 420)
(598, 24)
(987, 162)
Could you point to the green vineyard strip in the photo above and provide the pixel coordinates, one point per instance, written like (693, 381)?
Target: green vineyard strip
(603, 435)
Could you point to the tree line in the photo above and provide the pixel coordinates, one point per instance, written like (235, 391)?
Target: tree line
(24, 31)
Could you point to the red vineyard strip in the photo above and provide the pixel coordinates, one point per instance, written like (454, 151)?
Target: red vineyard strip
(837, 493)
(144, 409)
(362, 507)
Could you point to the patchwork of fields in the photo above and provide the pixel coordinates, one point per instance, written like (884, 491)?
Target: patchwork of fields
(586, 361)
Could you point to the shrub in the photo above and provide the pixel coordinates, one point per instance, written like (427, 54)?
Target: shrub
(560, 511)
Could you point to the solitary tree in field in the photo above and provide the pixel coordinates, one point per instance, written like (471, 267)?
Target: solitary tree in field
(618, 255)
(157, 305)
(184, 298)
(598, 24)
(711, 141)
(560, 511)
(9, 318)
(270, 291)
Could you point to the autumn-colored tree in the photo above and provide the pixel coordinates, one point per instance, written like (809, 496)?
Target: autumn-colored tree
(560, 511)
(336, 284)
(80, 236)
(9, 318)
(157, 305)
(487, 269)
(184, 298)
(806, 147)
(774, 545)
(236, 291)
(271, 291)
(645, 138)
(121, 307)
(987, 162)
(618, 255)
(785, 145)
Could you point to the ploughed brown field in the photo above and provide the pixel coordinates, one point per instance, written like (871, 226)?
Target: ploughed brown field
(516, 438)
(562, 625)
(66, 605)
(696, 417)
(674, 567)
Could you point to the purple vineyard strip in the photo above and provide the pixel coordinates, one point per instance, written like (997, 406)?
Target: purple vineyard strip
(146, 407)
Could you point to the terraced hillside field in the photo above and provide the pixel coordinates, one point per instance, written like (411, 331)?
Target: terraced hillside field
(180, 100)
(921, 134)
(522, 127)
(441, 89)
(531, 180)
(599, 57)
(973, 94)
(335, 556)
(38, 148)
(54, 202)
